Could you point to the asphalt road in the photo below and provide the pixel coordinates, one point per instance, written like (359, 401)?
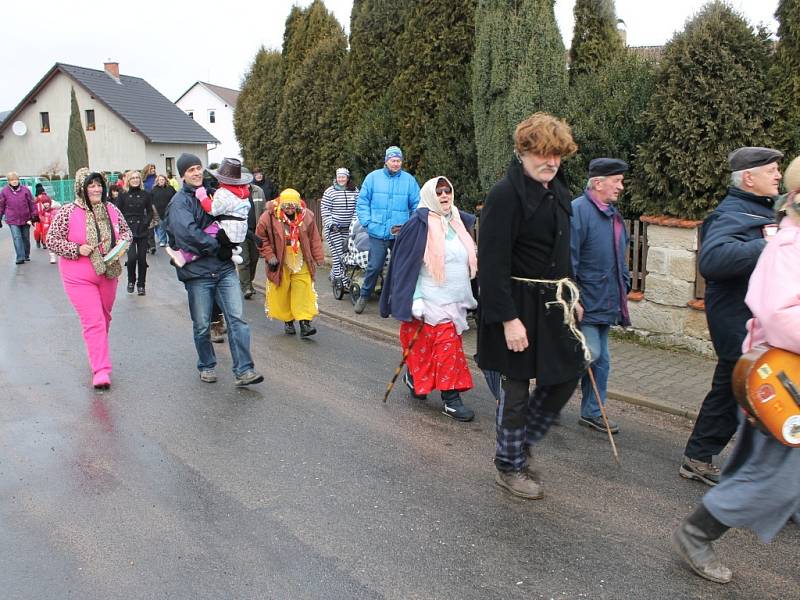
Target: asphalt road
(307, 486)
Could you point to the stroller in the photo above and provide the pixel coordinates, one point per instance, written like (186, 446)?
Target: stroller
(355, 258)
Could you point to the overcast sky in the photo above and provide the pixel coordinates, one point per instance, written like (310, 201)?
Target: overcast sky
(172, 46)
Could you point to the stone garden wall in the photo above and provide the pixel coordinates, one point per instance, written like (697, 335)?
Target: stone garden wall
(668, 312)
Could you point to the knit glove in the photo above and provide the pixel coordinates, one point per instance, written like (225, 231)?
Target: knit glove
(273, 263)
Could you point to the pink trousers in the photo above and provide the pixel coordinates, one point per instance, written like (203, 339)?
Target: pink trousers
(93, 297)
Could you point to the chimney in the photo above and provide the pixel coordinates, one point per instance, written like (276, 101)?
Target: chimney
(112, 68)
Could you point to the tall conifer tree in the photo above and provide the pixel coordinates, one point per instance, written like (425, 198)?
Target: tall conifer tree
(785, 77)
(310, 125)
(519, 67)
(256, 116)
(709, 100)
(595, 39)
(433, 97)
(77, 149)
(371, 114)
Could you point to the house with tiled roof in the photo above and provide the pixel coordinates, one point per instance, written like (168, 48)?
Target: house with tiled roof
(127, 123)
(212, 106)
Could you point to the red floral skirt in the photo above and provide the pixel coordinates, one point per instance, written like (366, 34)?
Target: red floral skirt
(436, 360)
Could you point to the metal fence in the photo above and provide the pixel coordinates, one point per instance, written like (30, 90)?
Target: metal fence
(60, 190)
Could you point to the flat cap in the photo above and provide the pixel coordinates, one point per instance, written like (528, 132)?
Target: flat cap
(750, 157)
(603, 167)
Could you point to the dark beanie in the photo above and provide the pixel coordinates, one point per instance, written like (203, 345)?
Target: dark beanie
(39, 189)
(185, 161)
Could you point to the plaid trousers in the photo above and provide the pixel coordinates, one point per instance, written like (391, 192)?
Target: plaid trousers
(522, 418)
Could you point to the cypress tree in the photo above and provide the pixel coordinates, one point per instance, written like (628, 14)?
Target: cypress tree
(372, 119)
(595, 39)
(309, 128)
(433, 98)
(785, 76)
(605, 109)
(709, 100)
(256, 116)
(519, 67)
(77, 150)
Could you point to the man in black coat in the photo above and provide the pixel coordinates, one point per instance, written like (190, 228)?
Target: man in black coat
(527, 324)
(732, 240)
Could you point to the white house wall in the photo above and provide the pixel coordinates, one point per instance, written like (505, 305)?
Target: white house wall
(200, 100)
(159, 153)
(112, 145)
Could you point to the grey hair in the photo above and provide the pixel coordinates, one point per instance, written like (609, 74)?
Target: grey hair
(738, 176)
(593, 180)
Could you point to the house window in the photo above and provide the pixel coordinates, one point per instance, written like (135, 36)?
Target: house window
(212, 116)
(45, 117)
(190, 113)
(90, 120)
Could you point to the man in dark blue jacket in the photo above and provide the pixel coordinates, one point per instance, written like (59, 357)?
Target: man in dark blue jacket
(732, 240)
(598, 244)
(212, 275)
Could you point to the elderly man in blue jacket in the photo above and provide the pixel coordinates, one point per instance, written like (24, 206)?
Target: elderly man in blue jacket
(211, 276)
(388, 197)
(732, 240)
(598, 244)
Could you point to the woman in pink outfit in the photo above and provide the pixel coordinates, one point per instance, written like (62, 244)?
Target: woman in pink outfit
(81, 234)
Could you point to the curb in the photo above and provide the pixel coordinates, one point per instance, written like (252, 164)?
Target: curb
(633, 399)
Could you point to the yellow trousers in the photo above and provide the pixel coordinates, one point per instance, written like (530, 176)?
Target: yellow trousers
(294, 299)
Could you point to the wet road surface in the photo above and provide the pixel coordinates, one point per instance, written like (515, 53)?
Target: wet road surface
(307, 486)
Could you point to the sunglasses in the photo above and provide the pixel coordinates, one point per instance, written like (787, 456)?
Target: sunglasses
(444, 190)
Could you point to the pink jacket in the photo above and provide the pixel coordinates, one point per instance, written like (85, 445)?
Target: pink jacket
(773, 294)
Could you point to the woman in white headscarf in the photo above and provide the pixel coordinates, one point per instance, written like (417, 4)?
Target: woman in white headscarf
(428, 289)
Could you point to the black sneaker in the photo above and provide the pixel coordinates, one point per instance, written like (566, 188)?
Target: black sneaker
(130, 288)
(454, 408)
(140, 290)
(410, 385)
(598, 424)
(288, 328)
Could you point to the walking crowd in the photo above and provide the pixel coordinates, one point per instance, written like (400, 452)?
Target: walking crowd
(547, 282)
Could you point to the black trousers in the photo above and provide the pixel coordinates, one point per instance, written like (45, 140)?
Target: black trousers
(247, 270)
(718, 418)
(137, 256)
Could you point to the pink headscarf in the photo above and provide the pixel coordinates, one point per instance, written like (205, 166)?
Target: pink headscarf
(437, 227)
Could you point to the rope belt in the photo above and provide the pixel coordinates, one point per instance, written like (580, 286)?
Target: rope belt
(567, 306)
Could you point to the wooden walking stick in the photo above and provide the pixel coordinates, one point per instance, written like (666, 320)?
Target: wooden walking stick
(603, 413)
(403, 361)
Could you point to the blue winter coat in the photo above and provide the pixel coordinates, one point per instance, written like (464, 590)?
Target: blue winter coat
(602, 275)
(732, 241)
(400, 282)
(386, 199)
(185, 222)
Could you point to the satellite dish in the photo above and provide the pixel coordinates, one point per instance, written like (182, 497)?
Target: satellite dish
(19, 128)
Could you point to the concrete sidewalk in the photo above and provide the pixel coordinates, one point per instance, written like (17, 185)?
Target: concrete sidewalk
(669, 381)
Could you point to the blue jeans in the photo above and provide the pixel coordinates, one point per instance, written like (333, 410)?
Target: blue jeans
(21, 235)
(377, 256)
(597, 340)
(226, 291)
(161, 233)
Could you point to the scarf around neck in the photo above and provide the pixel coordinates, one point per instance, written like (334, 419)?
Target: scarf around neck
(101, 237)
(438, 223)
